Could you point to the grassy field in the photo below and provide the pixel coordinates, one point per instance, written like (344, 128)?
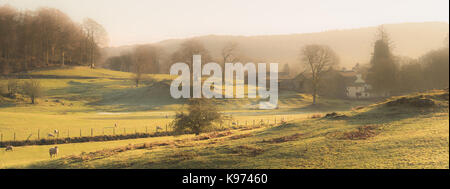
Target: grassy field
(394, 137)
(78, 99)
(375, 136)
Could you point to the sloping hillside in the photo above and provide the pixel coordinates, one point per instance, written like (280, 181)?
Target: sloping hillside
(80, 98)
(392, 134)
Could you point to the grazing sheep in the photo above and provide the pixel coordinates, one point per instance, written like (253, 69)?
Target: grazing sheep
(50, 135)
(56, 131)
(53, 151)
(9, 148)
(158, 128)
(262, 122)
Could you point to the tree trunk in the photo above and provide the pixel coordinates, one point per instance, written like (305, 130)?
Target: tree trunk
(314, 97)
(92, 57)
(46, 53)
(314, 94)
(63, 58)
(46, 57)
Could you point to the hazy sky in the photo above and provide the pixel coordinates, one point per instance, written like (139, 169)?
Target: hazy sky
(139, 21)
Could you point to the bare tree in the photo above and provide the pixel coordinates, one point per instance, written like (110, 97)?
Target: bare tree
(145, 60)
(319, 59)
(138, 69)
(286, 69)
(137, 77)
(13, 87)
(7, 30)
(187, 50)
(33, 89)
(229, 53)
(46, 37)
(96, 36)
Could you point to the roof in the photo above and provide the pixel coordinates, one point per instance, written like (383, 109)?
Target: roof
(349, 73)
(359, 79)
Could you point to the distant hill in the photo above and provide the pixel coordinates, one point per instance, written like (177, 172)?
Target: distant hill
(352, 45)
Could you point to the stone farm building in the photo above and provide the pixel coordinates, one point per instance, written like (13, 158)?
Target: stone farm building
(340, 84)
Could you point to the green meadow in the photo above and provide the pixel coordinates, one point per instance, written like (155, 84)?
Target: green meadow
(367, 134)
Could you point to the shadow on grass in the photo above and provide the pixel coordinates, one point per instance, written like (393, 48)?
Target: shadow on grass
(129, 117)
(385, 115)
(333, 105)
(153, 95)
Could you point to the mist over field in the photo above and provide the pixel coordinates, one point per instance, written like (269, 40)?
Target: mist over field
(118, 85)
(353, 45)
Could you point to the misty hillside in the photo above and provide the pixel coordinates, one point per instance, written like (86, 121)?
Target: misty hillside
(352, 45)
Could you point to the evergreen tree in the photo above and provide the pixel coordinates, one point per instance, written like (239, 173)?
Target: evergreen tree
(382, 71)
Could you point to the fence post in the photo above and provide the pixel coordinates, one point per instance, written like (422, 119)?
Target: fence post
(166, 128)
(92, 132)
(124, 132)
(114, 131)
(80, 132)
(39, 131)
(14, 136)
(1, 138)
(103, 131)
(68, 133)
(146, 129)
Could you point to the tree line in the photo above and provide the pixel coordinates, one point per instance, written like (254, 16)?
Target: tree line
(150, 59)
(47, 37)
(386, 73)
(390, 74)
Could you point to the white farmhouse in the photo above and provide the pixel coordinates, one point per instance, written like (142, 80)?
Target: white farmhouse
(359, 89)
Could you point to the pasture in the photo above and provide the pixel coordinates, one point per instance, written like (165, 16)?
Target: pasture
(79, 101)
(76, 99)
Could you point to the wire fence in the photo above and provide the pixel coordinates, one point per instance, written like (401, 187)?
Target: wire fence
(41, 136)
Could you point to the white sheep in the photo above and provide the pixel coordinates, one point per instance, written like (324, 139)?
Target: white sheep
(53, 151)
(56, 131)
(262, 122)
(9, 148)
